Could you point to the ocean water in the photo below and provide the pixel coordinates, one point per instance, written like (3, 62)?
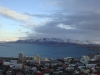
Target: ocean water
(12, 50)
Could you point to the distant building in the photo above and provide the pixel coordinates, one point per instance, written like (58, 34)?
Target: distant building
(21, 56)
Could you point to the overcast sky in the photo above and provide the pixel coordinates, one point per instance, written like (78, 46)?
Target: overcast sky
(66, 19)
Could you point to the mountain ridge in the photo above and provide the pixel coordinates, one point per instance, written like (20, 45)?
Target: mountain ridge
(53, 41)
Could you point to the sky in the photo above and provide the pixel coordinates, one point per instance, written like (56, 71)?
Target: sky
(65, 19)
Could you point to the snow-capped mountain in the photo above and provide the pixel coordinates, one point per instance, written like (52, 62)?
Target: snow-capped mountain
(52, 41)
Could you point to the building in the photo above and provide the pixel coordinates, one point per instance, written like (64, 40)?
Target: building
(20, 56)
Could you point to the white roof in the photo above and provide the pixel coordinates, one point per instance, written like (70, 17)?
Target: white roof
(6, 63)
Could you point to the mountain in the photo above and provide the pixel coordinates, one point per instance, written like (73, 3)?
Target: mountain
(56, 42)
(53, 41)
(2, 41)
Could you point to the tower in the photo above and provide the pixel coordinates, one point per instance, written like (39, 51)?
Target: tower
(21, 56)
(38, 58)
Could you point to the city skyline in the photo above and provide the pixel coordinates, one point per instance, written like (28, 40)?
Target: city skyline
(70, 19)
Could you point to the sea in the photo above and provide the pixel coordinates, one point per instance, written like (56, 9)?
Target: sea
(12, 50)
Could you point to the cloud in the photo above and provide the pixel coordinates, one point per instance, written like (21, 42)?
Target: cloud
(9, 39)
(83, 21)
(27, 21)
(75, 19)
(39, 15)
(77, 5)
(13, 14)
